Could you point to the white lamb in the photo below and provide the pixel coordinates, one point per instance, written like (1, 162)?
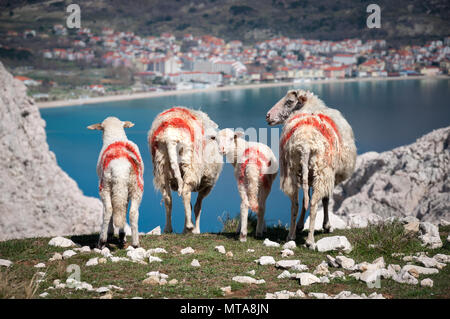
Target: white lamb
(255, 168)
(185, 159)
(317, 150)
(120, 171)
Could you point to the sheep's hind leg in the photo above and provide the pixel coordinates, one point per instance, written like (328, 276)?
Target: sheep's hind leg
(294, 213)
(134, 217)
(326, 222)
(167, 197)
(188, 225)
(312, 220)
(198, 208)
(107, 216)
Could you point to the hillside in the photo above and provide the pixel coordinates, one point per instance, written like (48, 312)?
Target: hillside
(402, 21)
(119, 277)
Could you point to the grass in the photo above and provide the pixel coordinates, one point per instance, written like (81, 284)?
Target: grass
(216, 271)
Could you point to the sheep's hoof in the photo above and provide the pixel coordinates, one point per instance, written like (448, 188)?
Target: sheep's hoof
(310, 244)
(101, 244)
(327, 229)
(135, 246)
(299, 228)
(168, 230)
(242, 238)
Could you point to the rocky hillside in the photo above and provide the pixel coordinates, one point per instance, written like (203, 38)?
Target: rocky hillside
(411, 180)
(248, 20)
(37, 198)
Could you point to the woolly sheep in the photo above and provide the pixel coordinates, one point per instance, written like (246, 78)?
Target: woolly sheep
(120, 171)
(317, 150)
(255, 168)
(185, 159)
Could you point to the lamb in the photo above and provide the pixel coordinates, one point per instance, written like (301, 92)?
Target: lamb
(317, 150)
(120, 170)
(255, 168)
(185, 159)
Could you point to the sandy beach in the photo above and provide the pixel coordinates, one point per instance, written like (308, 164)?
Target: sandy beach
(146, 95)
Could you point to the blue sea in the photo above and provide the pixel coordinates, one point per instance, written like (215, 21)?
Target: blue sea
(383, 114)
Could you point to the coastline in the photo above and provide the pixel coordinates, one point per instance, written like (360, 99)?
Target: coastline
(145, 95)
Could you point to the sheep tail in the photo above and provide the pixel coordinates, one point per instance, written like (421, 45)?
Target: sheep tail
(173, 159)
(253, 186)
(119, 201)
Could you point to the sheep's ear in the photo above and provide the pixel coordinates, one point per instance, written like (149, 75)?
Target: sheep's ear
(97, 126)
(128, 124)
(302, 99)
(238, 134)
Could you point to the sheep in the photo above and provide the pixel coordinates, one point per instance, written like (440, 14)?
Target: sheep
(255, 168)
(120, 170)
(185, 159)
(317, 150)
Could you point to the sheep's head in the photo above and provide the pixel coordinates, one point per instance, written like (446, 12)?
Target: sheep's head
(291, 102)
(111, 126)
(226, 140)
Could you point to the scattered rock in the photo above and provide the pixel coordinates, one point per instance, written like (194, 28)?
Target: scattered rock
(153, 251)
(43, 295)
(152, 280)
(269, 243)
(265, 260)
(68, 253)
(102, 290)
(346, 263)
(319, 295)
(284, 274)
(229, 254)
(444, 222)
(324, 280)
(115, 259)
(338, 274)
(370, 275)
(106, 252)
(287, 264)
(284, 294)
(152, 259)
(85, 249)
(404, 277)
(173, 282)
(290, 245)
(61, 242)
(220, 249)
(106, 296)
(195, 263)
(137, 254)
(102, 260)
(187, 250)
(420, 270)
(321, 269)
(251, 272)
(306, 278)
(332, 261)
(286, 253)
(250, 250)
(429, 262)
(442, 258)
(301, 268)
(39, 265)
(334, 243)
(429, 235)
(427, 282)
(155, 231)
(56, 256)
(248, 280)
(226, 290)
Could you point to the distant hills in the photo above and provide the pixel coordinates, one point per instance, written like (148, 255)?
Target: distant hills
(403, 21)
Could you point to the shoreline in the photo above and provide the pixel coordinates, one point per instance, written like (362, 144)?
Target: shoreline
(146, 95)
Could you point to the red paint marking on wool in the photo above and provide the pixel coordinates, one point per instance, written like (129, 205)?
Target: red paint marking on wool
(179, 109)
(123, 149)
(174, 122)
(254, 157)
(332, 124)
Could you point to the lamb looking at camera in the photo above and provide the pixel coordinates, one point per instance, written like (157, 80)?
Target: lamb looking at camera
(317, 150)
(255, 168)
(185, 159)
(120, 171)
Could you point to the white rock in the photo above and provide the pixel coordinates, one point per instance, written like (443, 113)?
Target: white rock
(115, 259)
(269, 243)
(61, 242)
(324, 280)
(404, 277)
(442, 258)
(187, 250)
(106, 252)
(301, 268)
(157, 250)
(429, 262)
(429, 235)
(420, 270)
(250, 250)
(376, 264)
(371, 275)
(284, 274)
(287, 264)
(39, 265)
(265, 260)
(152, 259)
(321, 269)
(220, 249)
(226, 290)
(286, 253)
(251, 272)
(115, 287)
(335, 221)
(157, 274)
(195, 263)
(319, 295)
(345, 262)
(43, 295)
(306, 278)
(99, 251)
(427, 282)
(332, 261)
(155, 231)
(248, 280)
(85, 249)
(338, 274)
(334, 243)
(137, 254)
(56, 256)
(102, 290)
(290, 245)
(68, 253)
